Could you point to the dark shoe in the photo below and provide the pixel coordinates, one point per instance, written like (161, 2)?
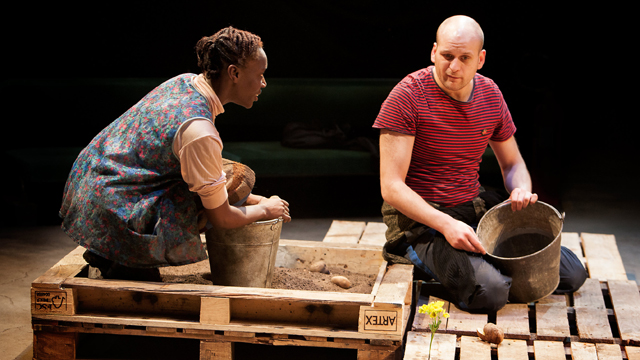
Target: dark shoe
(97, 262)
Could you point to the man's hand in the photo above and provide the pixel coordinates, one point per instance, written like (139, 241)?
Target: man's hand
(521, 198)
(462, 237)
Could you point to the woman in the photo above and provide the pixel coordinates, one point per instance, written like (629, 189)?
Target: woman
(129, 198)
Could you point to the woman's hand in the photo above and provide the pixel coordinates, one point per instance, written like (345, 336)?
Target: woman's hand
(276, 208)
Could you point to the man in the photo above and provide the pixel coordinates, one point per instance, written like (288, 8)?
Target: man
(434, 127)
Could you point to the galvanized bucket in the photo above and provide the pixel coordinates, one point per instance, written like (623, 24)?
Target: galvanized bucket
(525, 245)
(244, 256)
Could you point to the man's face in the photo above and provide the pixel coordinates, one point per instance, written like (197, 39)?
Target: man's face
(456, 60)
(250, 80)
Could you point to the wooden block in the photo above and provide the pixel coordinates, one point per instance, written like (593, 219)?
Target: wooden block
(591, 313)
(603, 258)
(378, 354)
(571, 240)
(382, 319)
(609, 351)
(551, 319)
(472, 348)
(513, 319)
(417, 348)
(374, 234)
(513, 350)
(549, 350)
(583, 351)
(54, 345)
(348, 232)
(68, 266)
(215, 311)
(211, 350)
(633, 353)
(626, 306)
(463, 323)
(46, 301)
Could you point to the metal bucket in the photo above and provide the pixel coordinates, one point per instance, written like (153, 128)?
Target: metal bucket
(525, 245)
(244, 256)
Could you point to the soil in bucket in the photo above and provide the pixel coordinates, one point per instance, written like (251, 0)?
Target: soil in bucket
(522, 245)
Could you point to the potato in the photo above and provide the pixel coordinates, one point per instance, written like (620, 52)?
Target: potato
(341, 281)
(319, 266)
(491, 333)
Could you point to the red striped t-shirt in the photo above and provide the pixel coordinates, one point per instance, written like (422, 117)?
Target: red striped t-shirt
(450, 135)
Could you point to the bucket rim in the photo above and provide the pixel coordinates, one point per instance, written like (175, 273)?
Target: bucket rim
(508, 203)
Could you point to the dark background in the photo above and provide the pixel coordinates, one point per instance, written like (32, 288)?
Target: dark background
(562, 69)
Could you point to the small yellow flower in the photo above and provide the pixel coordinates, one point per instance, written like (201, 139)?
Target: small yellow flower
(435, 310)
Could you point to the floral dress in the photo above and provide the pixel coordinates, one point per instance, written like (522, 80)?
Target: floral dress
(125, 198)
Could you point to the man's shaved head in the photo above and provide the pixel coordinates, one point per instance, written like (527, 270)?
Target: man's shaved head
(460, 26)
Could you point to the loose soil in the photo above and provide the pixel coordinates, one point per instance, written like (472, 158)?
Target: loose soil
(283, 278)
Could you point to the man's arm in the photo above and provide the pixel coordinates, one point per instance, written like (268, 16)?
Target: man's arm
(514, 173)
(395, 156)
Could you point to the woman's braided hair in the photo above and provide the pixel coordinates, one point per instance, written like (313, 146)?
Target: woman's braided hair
(228, 46)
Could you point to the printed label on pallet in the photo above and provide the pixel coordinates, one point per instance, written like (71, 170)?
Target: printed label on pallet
(384, 320)
(47, 301)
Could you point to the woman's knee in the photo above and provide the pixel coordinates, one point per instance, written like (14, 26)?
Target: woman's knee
(572, 272)
(492, 287)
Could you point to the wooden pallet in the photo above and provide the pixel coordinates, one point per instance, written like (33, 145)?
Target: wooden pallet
(66, 305)
(599, 321)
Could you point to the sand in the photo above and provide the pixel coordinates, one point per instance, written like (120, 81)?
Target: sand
(283, 278)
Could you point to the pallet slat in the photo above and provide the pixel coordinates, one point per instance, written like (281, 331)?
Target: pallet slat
(513, 350)
(549, 350)
(551, 318)
(374, 234)
(571, 240)
(626, 305)
(346, 232)
(633, 353)
(603, 258)
(417, 348)
(591, 313)
(513, 319)
(472, 348)
(583, 351)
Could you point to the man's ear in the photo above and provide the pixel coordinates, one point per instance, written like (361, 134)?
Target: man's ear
(433, 52)
(481, 58)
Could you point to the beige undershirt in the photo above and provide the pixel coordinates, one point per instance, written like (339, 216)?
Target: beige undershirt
(198, 146)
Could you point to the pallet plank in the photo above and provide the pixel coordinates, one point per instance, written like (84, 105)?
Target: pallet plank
(551, 318)
(626, 305)
(513, 319)
(633, 353)
(374, 234)
(603, 258)
(571, 240)
(417, 348)
(513, 350)
(609, 351)
(464, 323)
(293, 254)
(549, 350)
(68, 266)
(472, 348)
(591, 314)
(346, 232)
(583, 351)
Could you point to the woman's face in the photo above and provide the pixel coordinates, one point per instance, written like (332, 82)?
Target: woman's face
(250, 80)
